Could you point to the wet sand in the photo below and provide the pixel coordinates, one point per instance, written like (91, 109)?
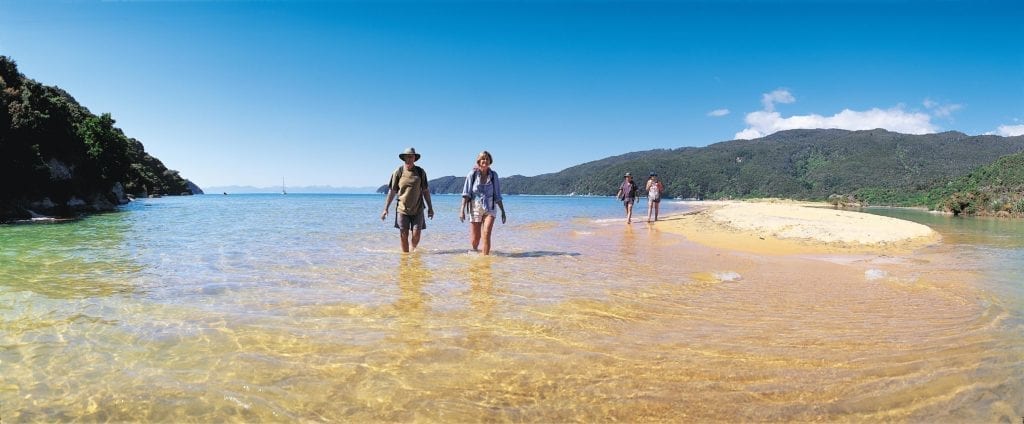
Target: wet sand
(825, 314)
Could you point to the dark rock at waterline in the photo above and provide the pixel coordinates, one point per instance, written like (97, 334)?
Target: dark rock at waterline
(62, 207)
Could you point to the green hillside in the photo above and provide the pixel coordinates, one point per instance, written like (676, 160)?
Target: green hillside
(57, 158)
(995, 189)
(873, 167)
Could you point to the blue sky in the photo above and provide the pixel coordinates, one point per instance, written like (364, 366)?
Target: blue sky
(329, 92)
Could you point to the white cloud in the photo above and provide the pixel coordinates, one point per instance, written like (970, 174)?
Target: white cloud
(768, 121)
(941, 110)
(748, 134)
(717, 113)
(1010, 130)
(780, 95)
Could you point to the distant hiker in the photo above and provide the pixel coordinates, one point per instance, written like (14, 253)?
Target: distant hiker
(481, 195)
(409, 183)
(627, 195)
(654, 191)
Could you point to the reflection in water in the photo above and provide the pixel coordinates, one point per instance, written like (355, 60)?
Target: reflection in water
(482, 303)
(411, 307)
(481, 281)
(627, 247)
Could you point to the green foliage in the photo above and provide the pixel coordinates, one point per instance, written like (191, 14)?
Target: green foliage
(105, 146)
(53, 148)
(987, 190)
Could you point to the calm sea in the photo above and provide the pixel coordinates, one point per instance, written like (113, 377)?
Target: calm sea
(301, 307)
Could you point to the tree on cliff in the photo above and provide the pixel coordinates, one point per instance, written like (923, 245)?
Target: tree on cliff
(57, 158)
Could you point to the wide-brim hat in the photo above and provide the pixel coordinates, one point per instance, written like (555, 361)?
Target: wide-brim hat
(628, 175)
(654, 174)
(409, 151)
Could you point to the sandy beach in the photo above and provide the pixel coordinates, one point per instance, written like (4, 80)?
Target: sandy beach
(779, 227)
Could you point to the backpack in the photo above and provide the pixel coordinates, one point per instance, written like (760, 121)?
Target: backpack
(472, 182)
(397, 176)
(401, 171)
(655, 192)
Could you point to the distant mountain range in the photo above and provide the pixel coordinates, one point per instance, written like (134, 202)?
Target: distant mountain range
(234, 189)
(873, 166)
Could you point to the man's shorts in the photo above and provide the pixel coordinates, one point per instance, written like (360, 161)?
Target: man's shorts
(405, 222)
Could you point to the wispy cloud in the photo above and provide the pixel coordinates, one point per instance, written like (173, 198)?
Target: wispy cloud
(717, 113)
(780, 95)
(1010, 130)
(941, 110)
(768, 121)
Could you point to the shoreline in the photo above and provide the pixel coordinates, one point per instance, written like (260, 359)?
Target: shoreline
(784, 227)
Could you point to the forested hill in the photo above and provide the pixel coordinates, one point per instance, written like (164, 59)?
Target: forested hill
(875, 166)
(995, 189)
(57, 158)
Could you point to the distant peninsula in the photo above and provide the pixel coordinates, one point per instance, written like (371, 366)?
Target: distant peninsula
(59, 160)
(942, 171)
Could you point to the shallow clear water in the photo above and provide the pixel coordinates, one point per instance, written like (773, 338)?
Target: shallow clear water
(301, 307)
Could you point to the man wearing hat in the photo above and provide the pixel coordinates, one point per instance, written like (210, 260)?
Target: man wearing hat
(627, 194)
(409, 183)
(654, 191)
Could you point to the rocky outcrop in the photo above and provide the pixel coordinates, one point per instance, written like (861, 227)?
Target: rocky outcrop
(193, 188)
(59, 159)
(54, 208)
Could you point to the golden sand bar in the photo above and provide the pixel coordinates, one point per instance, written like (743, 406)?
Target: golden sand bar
(788, 227)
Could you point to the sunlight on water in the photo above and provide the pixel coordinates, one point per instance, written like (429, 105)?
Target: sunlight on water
(264, 308)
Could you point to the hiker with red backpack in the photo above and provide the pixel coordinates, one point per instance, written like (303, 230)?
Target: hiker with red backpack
(654, 191)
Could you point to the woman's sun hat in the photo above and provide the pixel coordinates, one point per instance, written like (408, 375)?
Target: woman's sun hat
(409, 151)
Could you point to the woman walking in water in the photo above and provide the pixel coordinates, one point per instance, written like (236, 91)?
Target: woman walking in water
(481, 195)
(654, 190)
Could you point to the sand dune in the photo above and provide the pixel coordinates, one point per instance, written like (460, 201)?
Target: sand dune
(784, 227)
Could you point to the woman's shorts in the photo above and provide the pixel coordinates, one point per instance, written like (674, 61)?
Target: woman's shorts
(480, 211)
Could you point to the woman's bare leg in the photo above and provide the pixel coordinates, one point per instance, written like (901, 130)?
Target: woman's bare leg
(474, 235)
(488, 225)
